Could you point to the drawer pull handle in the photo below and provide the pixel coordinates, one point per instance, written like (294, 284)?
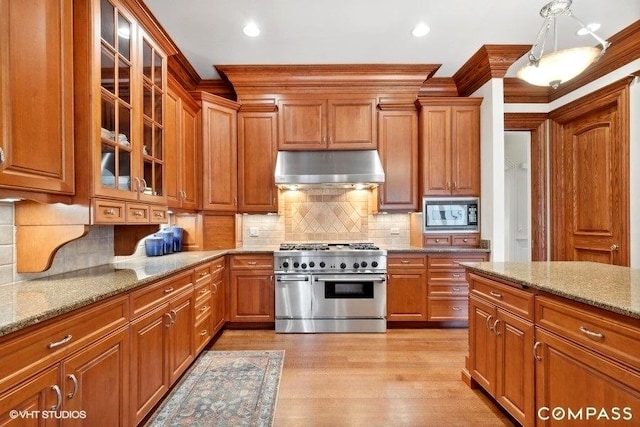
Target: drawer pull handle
(75, 386)
(456, 289)
(137, 213)
(456, 275)
(168, 290)
(160, 214)
(215, 288)
(437, 240)
(465, 240)
(404, 261)
(58, 393)
(203, 309)
(204, 274)
(535, 351)
(495, 294)
(170, 324)
(591, 334)
(457, 308)
(203, 291)
(109, 212)
(252, 263)
(495, 327)
(203, 333)
(489, 317)
(63, 341)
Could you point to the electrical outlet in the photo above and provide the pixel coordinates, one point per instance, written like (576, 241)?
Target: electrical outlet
(254, 232)
(394, 231)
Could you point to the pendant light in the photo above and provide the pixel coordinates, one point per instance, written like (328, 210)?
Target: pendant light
(553, 69)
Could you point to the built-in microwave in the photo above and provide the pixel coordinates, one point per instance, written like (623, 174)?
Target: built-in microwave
(451, 214)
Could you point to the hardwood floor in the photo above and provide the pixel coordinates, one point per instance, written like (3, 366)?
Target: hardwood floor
(406, 377)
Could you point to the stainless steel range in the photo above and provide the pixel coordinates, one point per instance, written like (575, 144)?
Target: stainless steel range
(330, 287)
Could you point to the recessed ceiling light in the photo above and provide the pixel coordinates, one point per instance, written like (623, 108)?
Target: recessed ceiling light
(251, 30)
(420, 30)
(588, 29)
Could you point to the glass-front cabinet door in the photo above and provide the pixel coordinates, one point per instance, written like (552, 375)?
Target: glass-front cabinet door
(132, 87)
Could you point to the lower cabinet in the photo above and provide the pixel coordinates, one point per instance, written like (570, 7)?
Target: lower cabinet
(251, 289)
(162, 339)
(500, 345)
(406, 287)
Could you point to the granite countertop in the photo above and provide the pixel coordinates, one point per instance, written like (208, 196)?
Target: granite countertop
(26, 303)
(610, 287)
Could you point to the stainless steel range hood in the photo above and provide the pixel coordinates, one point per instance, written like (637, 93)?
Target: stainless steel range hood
(328, 169)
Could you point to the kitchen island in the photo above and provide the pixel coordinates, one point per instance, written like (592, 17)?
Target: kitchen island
(556, 342)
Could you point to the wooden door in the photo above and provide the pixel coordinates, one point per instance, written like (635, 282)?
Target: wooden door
(36, 100)
(398, 148)
(351, 124)
(96, 381)
(569, 376)
(407, 295)
(35, 394)
(181, 344)
(190, 155)
(514, 366)
(436, 150)
(465, 150)
(217, 305)
(220, 169)
(252, 296)
(149, 368)
(482, 343)
(301, 124)
(590, 178)
(257, 149)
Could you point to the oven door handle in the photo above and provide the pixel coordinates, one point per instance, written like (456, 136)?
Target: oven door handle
(358, 278)
(292, 278)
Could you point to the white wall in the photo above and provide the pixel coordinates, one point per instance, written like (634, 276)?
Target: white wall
(517, 195)
(492, 166)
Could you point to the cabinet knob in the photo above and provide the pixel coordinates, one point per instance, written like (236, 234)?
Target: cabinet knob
(615, 247)
(109, 212)
(160, 214)
(456, 308)
(465, 240)
(137, 213)
(203, 333)
(437, 240)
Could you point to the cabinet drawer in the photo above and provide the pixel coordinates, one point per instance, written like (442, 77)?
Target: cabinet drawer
(436, 240)
(448, 309)
(508, 297)
(448, 290)
(43, 345)
(447, 276)
(472, 240)
(203, 290)
(595, 330)
(217, 269)
(108, 212)
(454, 260)
(406, 260)
(244, 262)
(137, 214)
(203, 332)
(150, 296)
(203, 274)
(203, 308)
(159, 215)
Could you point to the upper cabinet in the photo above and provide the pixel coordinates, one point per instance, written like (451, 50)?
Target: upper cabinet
(450, 144)
(36, 96)
(183, 131)
(398, 148)
(335, 124)
(257, 149)
(119, 105)
(219, 152)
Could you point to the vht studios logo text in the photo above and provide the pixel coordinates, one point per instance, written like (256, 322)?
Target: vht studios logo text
(74, 415)
(588, 413)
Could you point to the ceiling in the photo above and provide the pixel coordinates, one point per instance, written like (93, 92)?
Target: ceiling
(209, 32)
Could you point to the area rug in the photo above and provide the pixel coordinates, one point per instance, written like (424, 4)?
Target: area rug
(224, 388)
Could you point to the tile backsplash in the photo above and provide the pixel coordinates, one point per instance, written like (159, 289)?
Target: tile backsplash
(325, 215)
(95, 248)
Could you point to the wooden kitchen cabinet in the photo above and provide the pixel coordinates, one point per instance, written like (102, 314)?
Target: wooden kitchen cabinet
(209, 301)
(120, 86)
(36, 127)
(450, 146)
(501, 338)
(182, 143)
(251, 289)
(310, 123)
(257, 150)
(398, 149)
(65, 364)
(447, 287)
(219, 152)
(162, 333)
(218, 294)
(406, 287)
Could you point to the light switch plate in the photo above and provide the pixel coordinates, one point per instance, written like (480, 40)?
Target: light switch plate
(394, 231)
(254, 232)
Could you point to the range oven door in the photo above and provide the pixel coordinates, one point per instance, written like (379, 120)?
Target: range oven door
(361, 296)
(293, 296)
